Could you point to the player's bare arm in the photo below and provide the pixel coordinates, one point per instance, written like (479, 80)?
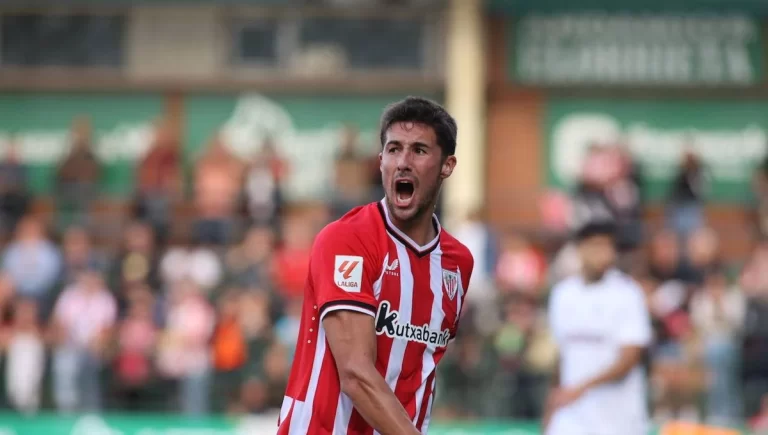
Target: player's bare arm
(629, 357)
(352, 340)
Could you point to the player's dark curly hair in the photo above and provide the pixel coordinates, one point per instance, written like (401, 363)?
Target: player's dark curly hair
(423, 111)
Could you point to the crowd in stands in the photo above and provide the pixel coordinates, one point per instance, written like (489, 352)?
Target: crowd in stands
(200, 313)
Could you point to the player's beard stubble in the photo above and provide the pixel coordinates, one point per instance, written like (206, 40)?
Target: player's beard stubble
(425, 204)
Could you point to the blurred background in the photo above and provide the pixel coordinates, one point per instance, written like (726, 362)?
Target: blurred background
(165, 165)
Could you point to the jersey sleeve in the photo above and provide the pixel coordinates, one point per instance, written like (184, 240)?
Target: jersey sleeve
(343, 270)
(634, 329)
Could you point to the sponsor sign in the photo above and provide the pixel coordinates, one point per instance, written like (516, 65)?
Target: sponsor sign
(730, 136)
(635, 49)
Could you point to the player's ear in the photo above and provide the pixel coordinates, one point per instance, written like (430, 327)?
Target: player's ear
(381, 157)
(448, 165)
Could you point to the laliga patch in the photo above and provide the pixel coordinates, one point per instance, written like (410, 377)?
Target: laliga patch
(348, 273)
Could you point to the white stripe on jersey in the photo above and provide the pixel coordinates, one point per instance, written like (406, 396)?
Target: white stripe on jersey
(397, 354)
(428, 416)
(435, 323)
(300, 421)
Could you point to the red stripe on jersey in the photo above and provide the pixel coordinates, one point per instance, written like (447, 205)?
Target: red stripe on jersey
(425, 401)
(284, 426)
(421, 313)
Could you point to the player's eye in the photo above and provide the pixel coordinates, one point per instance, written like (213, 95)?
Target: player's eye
(420, 150)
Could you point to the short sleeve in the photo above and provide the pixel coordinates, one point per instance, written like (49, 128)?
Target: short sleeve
(634, 328)
(343, 272)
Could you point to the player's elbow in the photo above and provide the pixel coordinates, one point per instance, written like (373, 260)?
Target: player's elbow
(354, 376)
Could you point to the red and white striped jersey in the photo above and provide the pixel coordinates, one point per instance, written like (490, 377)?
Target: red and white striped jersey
(363, 263)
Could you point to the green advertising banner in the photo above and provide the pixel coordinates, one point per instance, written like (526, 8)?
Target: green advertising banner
(39, 124)
(635, 49)
(306, 130)
(730, 137)
(127, 424)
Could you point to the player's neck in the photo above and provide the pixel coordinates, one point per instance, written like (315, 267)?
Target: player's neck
(420, 229)
(592, 277)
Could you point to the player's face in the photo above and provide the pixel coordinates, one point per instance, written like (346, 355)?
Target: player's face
(413, 169)
(598, 254)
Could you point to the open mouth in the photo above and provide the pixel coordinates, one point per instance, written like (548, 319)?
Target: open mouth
(404, 192)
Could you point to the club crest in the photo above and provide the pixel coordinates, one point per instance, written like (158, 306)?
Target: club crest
(450, 283)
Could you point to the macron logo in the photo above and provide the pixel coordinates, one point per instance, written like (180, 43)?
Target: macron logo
(391, 268)
(348, 273)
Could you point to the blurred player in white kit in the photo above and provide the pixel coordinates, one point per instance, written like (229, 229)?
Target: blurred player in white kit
(601, 325)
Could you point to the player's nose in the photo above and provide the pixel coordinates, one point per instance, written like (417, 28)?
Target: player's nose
(404, 161)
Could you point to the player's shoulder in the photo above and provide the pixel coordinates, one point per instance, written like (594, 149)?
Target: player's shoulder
(358, 227)
(564, 287)
(451, 246)
(625, 285)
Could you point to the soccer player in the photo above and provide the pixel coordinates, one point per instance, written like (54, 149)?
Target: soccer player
(601, 325)
(385, 289)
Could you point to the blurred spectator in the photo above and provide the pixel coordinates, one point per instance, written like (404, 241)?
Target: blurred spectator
(759, 422)
(760, 193)
(701, 254)
(292, 258)
(276, 370)
(230, 352)
(7, 295)
(78, 176)
(555, 210)
(664, 257)
(351, 173)
(14, 196)
(159, 180)
(136, 262)
(475, 233)
(136, 341)
(754, 275)
(521, 268)
(754, 354)
(256, 321)
(567, 262)
(287, 327)
(196, 263)
(218, 179)
(80, 341)
(482, 242)
(253, 398)
(249, 264)
(183, 354)
(78, 254)
(466, 377)
(602, 165)
(33, 262)
(25, 358)
(520, 388)
(718, 314)
(263, 179)
(685, 211)
(625, 195)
